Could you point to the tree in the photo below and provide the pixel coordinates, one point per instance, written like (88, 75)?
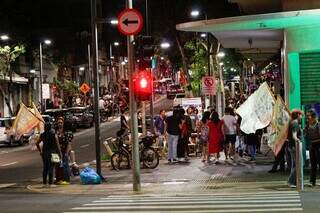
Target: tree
(8, 55)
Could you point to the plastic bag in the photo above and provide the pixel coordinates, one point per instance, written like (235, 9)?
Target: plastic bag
(89, 176)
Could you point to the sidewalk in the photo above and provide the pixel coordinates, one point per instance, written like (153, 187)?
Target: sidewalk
(194, 177)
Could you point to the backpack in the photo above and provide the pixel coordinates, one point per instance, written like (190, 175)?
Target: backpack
(204, 134)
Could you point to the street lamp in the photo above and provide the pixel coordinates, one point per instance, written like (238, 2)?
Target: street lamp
(4, 37)
(195, 13)
(116, 43)
(203, 35)
(164, 45)
(221, 55)
(47, 42)
(114, 22)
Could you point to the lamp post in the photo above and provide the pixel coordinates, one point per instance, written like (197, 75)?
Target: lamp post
(47, 42)
(221, 96)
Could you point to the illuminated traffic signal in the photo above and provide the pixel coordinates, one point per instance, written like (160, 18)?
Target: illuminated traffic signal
(142, 85)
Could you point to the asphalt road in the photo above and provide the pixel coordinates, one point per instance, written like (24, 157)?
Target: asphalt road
(21, 164)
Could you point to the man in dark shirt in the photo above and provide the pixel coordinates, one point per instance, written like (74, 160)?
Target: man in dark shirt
(173, 129)
(159, 126)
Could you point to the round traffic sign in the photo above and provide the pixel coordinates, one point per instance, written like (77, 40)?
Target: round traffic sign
(208, 82)
(130, 22)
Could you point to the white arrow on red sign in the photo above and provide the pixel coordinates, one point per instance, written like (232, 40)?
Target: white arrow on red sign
(130, 22)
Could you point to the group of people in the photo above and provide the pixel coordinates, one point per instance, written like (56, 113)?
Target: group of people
(53, 142)
(287, 155)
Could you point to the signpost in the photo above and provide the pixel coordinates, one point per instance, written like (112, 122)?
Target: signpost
(85, 88)
(209, 85)
(130, 22)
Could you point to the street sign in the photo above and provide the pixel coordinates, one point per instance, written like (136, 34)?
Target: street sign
(209, 85)
(85, 88)
(130, 22)
(45, 91)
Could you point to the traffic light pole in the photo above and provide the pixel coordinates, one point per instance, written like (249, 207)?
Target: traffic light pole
(133, 113)
(96, 84)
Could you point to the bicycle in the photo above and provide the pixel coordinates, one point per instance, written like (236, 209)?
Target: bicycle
(149, 157)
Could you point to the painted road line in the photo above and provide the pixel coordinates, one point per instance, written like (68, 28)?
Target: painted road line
(84, 146)
(6, 185)
(271, 201)
(9, 164)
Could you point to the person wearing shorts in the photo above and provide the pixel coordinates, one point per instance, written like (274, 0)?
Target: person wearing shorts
(230, 132)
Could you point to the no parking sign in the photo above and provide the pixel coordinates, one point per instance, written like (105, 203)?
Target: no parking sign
(209, 85)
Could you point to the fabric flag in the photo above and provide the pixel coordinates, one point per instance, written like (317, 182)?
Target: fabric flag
(280, 125)
(256, 111)
(24, 122)
(40, 127)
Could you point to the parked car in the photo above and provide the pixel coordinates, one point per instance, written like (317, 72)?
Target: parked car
(69, 119)
(173, 90)
(7, 136)
(82, 116)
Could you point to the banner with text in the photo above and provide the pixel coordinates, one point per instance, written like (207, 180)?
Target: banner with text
(256, 111)
(280, 125)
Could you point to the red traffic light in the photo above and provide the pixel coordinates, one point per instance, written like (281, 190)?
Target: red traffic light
(142, 84)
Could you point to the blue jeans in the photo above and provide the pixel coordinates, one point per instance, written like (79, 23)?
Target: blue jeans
(172, 146)
(66, 168)
(252, 151)
(292, 177)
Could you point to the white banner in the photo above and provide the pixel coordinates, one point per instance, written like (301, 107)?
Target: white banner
(256, 111)
(45, 91)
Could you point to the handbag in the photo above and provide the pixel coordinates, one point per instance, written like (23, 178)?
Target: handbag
(55, 158)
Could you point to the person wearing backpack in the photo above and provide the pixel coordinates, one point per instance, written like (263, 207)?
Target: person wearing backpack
(215, 136)
(312, 133)
(203, 131)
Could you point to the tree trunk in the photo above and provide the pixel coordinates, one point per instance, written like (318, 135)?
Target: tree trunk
(7, 100)
(183, 56)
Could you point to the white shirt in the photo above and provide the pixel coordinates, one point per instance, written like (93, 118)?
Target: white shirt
(101, 104)
(230, 125)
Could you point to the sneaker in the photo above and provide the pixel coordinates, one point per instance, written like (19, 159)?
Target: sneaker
(292, 186)
(52, 185)
(174, 161)
(311, 184)
(272, 171)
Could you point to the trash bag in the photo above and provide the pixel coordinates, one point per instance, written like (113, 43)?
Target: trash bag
(89, 176)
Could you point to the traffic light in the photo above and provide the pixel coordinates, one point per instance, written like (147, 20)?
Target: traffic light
(142, 85)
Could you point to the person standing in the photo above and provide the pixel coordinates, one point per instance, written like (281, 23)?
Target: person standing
(312, 132)
(215, 136)
(230, 132)
(50, 145)
(294, 136)
(203, 134)
(65, 139)
(159, 126)
(252, 141)
(173, 124)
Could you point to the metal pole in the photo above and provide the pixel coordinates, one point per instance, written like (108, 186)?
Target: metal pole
(299, 166)
(143, 112)
(96, 83)
(147, 18)
(151, 98)
(89, 66)
(133, 114)
(208, 54)
(40, 78)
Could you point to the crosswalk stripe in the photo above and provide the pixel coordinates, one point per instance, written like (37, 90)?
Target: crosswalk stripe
(269, 201)
(188, 202)
(212, 211)
(272, 199)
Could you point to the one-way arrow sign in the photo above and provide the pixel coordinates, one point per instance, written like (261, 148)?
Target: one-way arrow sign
(130, 22)
(127, 22)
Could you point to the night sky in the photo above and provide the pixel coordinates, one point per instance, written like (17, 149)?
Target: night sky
(67, 22)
